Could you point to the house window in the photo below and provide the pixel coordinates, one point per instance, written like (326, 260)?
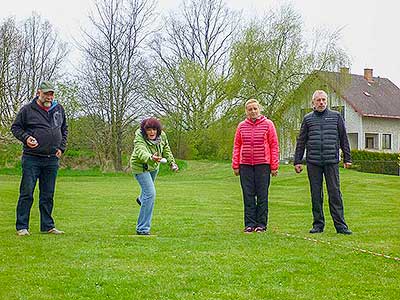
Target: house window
(339, 109)
(371, 141)
(386, 141)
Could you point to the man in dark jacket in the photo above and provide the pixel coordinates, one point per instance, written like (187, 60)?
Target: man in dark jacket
(41, 126)
(322, 133)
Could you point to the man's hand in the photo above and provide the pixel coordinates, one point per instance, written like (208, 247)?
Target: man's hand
(274, 173)
(236, 172)
(58, 153)
(347, 165)
(298, 168)
(31, 142)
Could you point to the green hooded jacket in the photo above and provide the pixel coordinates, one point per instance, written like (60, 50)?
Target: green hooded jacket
(144, 149)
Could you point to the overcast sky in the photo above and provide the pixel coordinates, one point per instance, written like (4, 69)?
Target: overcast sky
(369, 27)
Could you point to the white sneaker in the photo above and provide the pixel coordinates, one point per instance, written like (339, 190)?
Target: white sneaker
(23, 232)
(55, 231)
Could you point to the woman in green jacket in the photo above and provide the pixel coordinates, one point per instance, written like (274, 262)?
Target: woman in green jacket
(151, 148)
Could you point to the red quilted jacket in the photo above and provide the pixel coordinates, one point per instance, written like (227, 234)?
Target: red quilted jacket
(256, 143)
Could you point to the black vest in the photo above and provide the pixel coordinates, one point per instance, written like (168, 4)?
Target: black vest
(323, 137)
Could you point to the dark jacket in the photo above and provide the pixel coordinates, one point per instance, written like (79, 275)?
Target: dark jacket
(48, 128)
(322, 134)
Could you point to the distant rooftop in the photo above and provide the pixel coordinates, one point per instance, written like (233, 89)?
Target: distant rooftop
(369, 96)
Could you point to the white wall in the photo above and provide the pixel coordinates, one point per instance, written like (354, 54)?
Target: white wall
(353, 120)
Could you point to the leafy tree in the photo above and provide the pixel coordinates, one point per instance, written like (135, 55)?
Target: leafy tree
(67, 94)
(272, 59)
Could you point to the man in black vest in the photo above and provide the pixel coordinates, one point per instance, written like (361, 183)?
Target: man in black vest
(42, 128)
(322, 133)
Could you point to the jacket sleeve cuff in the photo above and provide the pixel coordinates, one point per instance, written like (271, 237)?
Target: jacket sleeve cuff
(25, 137)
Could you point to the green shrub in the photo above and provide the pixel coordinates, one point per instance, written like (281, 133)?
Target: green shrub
(375, 162)
(10, 155)
(214, 142)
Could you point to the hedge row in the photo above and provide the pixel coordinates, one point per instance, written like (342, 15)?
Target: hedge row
(375, 162)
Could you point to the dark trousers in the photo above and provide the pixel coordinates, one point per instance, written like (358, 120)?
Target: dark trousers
(255, 183)
(34, 168)
(331, 174)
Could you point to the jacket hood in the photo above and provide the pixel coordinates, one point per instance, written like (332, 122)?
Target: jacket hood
(53, 104)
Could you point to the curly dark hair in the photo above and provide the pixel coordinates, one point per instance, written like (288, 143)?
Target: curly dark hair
(150, 123)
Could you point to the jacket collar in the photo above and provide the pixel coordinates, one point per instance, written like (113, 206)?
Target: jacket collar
(321, 113)
(53, 104)
(259, 120)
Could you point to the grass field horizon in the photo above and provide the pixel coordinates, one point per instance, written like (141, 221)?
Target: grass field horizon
(198, 250)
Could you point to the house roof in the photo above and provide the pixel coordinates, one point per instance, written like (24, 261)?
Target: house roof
(379, 98)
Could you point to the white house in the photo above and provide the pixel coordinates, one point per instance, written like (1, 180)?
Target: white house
(371, 109)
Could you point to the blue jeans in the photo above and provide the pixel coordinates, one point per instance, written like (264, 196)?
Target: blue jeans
(34, 168)
(147, 197)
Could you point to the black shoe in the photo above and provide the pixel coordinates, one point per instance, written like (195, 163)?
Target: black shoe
(344, 231)
(138, 201)
(142, 233)
(248, 229)
(316, 230)
(260, 229)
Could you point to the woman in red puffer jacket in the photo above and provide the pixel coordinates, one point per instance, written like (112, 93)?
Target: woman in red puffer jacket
(255, 157)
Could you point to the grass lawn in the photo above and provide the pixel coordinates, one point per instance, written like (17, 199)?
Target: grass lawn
(198, 250)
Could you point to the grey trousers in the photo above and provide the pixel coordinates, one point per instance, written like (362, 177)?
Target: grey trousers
(331, 174)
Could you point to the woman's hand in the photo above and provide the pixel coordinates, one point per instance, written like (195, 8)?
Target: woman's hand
(274, 173)
(174, 167)
(156, 157)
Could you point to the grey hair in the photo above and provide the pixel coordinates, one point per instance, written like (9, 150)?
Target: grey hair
(319, 92)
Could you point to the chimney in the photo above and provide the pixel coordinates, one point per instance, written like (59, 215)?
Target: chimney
(344, 70)
(368, 75)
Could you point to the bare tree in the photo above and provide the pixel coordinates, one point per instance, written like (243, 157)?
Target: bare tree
(192, 63)
(186, 82)
(10, 43)
(43, 54)
(111, 74)
(29, 53)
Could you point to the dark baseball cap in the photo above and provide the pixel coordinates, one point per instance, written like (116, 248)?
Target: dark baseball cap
(46, 86)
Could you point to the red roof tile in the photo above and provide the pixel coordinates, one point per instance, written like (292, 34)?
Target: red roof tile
(380, 98)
